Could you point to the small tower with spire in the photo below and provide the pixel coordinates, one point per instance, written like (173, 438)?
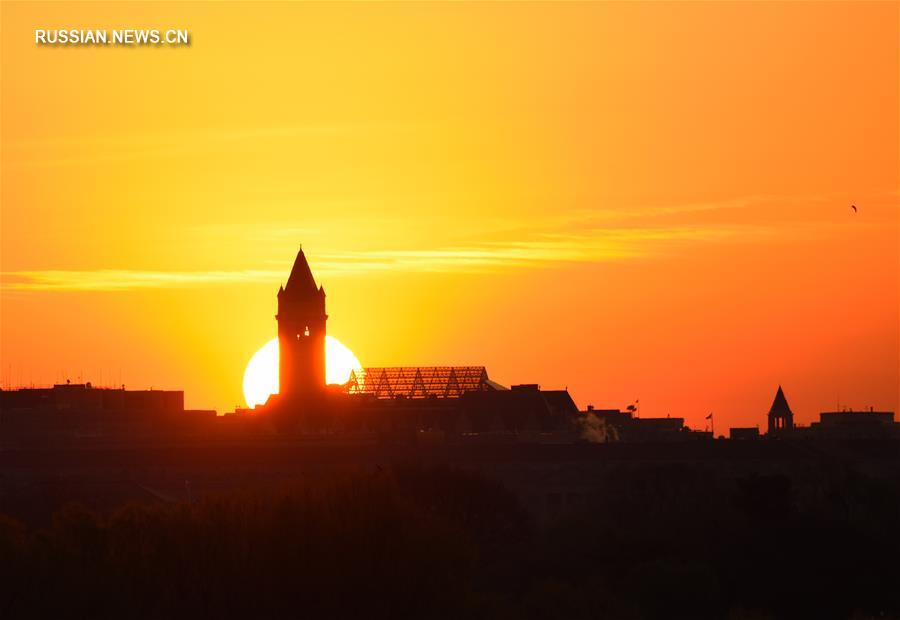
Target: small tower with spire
(301, 334)
(781, 418)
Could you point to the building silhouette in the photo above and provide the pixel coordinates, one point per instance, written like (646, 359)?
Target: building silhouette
(781, 418)
(80, 412)
(451, 404)
(869, 424)
(420, 382)
(301, 335)
(743, 433)
(456, 400)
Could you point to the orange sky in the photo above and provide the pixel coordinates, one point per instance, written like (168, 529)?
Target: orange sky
(645, 200)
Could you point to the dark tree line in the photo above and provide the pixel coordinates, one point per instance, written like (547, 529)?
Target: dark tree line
(418, 542)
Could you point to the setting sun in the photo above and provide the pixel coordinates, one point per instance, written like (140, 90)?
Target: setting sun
(624, 199)
(261, 375)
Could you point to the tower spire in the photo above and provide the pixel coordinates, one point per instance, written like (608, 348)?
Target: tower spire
(781, 418)
(301, 281)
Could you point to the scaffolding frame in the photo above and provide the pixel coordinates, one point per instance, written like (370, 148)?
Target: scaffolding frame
(418, 381)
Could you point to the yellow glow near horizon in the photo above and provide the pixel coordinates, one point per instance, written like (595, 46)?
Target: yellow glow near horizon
(261, 375)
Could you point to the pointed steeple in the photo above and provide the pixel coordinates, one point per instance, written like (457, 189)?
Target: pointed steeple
(780, 405)
(301, 281)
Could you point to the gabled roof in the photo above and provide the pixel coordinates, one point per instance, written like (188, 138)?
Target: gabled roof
(301, 281)
(780, 405)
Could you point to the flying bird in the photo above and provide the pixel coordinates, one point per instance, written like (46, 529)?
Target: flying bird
(854, 208)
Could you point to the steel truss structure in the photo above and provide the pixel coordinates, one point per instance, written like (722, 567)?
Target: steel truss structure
(419, 382)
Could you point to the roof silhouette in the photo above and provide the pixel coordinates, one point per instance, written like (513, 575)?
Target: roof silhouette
(780, 405)
(301, 281)
(420, 381)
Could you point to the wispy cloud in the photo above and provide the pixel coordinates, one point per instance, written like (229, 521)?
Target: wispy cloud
(575, 236)
(543, 250)
(595, 245)
(125, 279)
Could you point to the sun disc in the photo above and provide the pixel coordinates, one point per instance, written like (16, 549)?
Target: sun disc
(261, 374)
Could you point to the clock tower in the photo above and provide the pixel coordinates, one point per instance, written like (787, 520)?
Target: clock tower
(301, 335)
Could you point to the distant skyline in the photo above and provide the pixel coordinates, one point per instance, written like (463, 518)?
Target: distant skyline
(635, 201)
